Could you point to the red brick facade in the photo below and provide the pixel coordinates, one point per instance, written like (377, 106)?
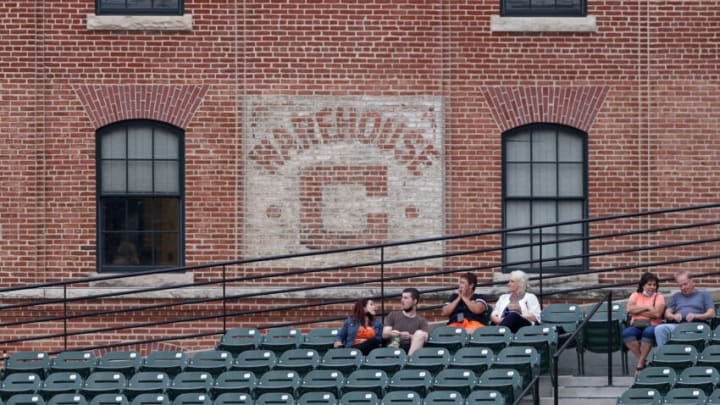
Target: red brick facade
(645, 87)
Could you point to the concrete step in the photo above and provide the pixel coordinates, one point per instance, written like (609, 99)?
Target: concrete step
(574, 390)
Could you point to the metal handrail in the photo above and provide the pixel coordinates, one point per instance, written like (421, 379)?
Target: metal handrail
(573, 337)
(226, 295)
(534, 384)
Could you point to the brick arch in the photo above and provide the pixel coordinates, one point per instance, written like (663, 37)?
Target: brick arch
(572, 106)
(173, 104)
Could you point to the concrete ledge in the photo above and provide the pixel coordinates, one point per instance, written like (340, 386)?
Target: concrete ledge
(140, 23)
(543, 24)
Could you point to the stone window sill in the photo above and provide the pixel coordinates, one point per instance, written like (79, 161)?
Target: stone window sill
(140, 22)
(543, 24)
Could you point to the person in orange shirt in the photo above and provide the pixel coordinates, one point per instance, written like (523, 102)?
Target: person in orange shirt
(646, 307)
(361, 329)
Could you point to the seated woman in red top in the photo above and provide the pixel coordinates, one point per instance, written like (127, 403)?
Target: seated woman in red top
(646, 308)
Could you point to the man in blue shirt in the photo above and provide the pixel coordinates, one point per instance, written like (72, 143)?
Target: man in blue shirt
(688, 305)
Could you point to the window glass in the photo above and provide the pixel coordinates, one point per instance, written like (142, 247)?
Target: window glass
(543, 8)
(140, 199)
(544, 174)
(140, 177)
(151, 7)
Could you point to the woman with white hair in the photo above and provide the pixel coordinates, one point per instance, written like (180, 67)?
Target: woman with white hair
(518, 307)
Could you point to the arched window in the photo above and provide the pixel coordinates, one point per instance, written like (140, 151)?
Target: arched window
(140, 196)
(544, 181)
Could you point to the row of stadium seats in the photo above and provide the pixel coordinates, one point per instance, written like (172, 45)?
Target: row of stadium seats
(509, 378)
(478, 397)
(649, 396)
(477, 358)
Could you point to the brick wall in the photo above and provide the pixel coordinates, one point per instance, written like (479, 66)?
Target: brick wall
(294, 111)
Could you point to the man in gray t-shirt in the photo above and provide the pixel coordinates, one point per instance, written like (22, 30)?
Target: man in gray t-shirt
(406, 325)
(688, 305)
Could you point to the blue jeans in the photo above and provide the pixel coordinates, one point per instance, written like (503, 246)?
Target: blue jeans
(646, 335)
(662, 333)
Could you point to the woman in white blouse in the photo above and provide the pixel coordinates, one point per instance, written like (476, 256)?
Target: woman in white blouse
(518, 307)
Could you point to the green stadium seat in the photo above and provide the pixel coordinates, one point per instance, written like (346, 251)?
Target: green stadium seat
(257, 361)
(365, 379)
(414, 379)
(109, 399)
(300, 360)
(190, 381)
(170, 362)
(126, 361)
(147, 382)
(286, 381)
(432, 359)
(524, 359)
(492, 336)
(443, 397)
(388, 359)
(238, 340)
(596, 336)
(449, 337)
(715, 336)
(25, 399)
(66, 398)
(275, 398)
(359, 398)
(661, 379)
(714, 398)
(689, 396)
(710, 357)
(234, 381)
(60, 382)
(344, 359)
(455, 379)
(401, 398)
(678, 357)
(320, 339)
(281, 339)
(317, 398)
(322, 380)
(103, 382)
(475, 358)
(19, 383)
(543, 338)
(151, 398)
(234, 398)
(214, 362)
(566, 318)
(28, 362)
(507, 382)
(697, 334)
(485, 397)
(704, 378)
(192, 398)
(81, 362)
(644, 396)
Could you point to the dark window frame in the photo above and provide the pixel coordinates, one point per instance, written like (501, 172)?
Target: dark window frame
(531, 233)
(530, 11)
(154, 196)
(100, 10)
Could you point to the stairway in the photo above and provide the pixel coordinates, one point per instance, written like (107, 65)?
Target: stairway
(577, 390)
(593, 386)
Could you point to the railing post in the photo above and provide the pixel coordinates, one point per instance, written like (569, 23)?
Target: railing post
(224, 300)
(382, 280)
(611, 338)
(65, 317)
(540, 255)
(555, 382)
